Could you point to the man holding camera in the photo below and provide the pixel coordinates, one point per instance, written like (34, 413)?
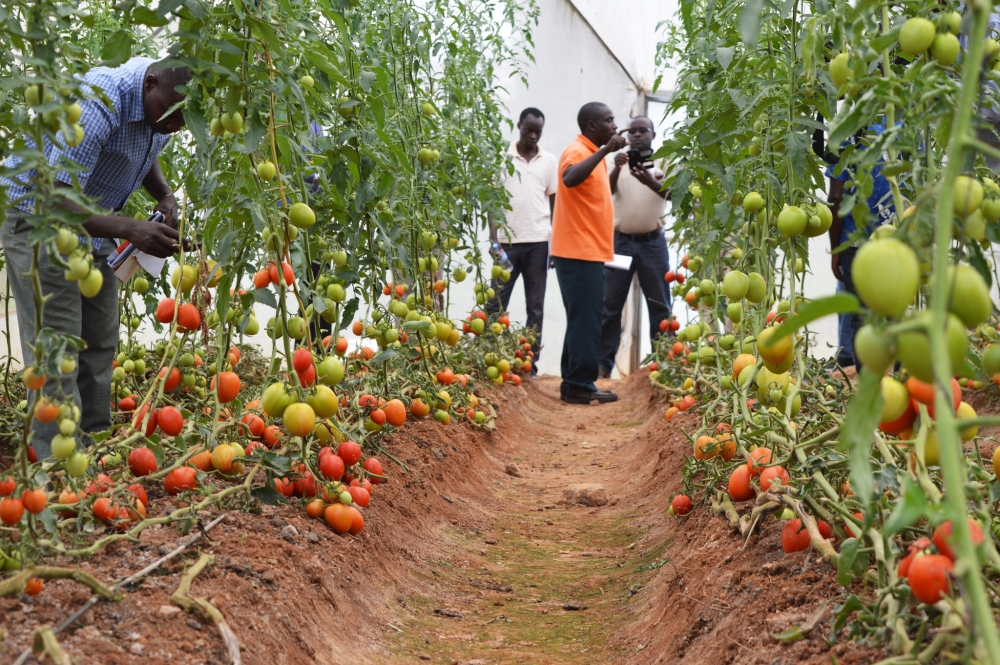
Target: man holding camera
(640, 205)
(582, 241)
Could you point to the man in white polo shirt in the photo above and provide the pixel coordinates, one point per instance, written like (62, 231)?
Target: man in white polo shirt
(532, 189)
(640, 206)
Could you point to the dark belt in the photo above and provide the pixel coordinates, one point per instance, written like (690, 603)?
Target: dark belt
(641, 237)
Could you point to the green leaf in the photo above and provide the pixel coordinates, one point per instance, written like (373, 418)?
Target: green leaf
(842, 303)
(844, 612)
(146, 16)
(387, 354)
(157, 452)
(789, 635)
(48, 519)
(117, 48)
(848, 553)
(725, 55)
(266, 494)
(750, 22)
(349, 311)
(908, 511)
(265, 297)
(856, 433)
(277, 463)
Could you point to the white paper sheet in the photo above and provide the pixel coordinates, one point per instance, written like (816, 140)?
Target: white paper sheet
(621, 262)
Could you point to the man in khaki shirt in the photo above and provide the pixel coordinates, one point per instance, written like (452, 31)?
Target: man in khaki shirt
(639, 209)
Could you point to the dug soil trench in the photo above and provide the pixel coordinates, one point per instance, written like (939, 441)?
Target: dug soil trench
(476, 554)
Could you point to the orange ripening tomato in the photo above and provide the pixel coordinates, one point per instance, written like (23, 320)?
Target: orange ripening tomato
(262, 279)
(229, 386)
(286, 272)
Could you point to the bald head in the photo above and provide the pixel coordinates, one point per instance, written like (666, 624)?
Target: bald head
(597, 122)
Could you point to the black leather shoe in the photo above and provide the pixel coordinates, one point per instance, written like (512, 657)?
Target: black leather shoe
(576, 396)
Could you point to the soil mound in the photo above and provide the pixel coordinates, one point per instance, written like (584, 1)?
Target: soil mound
(481, 552)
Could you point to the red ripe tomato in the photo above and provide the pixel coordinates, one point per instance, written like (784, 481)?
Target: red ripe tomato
(794, 537)
(377, 416)
(302, 359)
(315, 508)
(342, 345)
(901, 424)
(181, 479)
(34, 586)
(350, 452)
(739, 484)
(825, 529)
(681, 503)
(254, 423)
(172, 381)
(170, 420)
(942, 535)
(308, 377)
(928, 577)
(188, 318)
(35, 501)
(165, 310)
(669, 277)
(306, 486)
(262, 279)
(139, 492)
(32, 455)
(127, 404)
(286, 272)
(150, 426)
(331, 466)
(758, 458)
(367, 401)
(395, 412)
(675, 325)
(142, 462)
(359, 495)
(679, 278)
(101, 507)
(916, 547)
(768, 476)
(373, 466)
(284, 486)
(956, 395)
(229, 386)
(253, 447)
(339, 517)
(7, 486)
(11, 510)
(357, 521)
(272, 436)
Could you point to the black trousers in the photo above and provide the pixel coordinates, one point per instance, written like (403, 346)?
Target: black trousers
(582, 287)
(530, 260)
(852, 322)
(650, 261)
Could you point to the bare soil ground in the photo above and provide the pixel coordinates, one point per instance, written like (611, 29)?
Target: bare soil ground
(474, 556)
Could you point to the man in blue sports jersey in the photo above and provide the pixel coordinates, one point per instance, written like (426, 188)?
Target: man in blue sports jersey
(118, 154)
(882, 210)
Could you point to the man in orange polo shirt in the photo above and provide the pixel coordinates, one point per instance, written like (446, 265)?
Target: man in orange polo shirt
(582, 241)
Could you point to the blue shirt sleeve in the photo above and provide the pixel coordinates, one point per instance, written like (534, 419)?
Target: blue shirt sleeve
(98, 122)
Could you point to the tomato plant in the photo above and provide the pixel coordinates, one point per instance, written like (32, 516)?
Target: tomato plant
(777, 102)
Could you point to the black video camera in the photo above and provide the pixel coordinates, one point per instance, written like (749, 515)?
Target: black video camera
(640, 158)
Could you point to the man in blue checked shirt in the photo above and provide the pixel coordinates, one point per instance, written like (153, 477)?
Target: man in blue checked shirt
(118, 154)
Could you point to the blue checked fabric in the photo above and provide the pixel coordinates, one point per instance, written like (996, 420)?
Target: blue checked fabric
(118, 146)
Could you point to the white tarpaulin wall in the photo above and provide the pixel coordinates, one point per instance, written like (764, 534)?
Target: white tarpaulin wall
(584, 50)
(594, 50)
